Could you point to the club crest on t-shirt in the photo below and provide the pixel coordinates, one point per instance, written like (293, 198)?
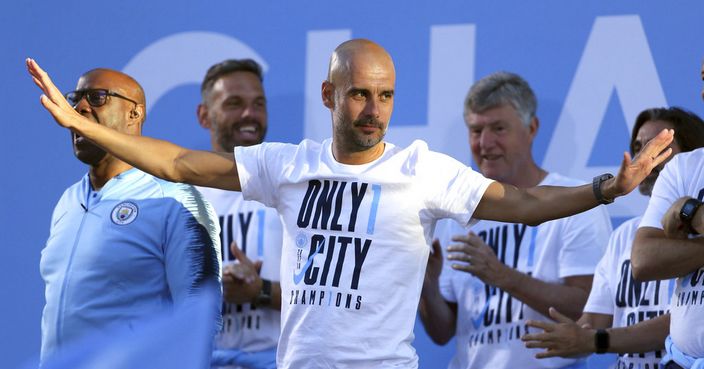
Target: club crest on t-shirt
(124, 213)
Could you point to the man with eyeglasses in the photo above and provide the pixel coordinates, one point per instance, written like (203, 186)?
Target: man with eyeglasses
(124, 246)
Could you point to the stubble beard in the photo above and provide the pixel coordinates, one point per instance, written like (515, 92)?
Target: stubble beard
(355, 141)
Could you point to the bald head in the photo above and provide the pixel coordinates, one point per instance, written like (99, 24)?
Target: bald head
(349, 55)
(119, 82)
(359, 92)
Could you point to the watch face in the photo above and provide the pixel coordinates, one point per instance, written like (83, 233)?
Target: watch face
(688, 209)
(601, 341)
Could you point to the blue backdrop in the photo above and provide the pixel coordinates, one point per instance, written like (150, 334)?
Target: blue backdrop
(594, 65)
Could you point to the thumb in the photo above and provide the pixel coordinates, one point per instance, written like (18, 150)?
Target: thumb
(558, 317)
(239, 254)
(258, 266)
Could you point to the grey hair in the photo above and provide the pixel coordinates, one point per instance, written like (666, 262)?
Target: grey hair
(502, 88)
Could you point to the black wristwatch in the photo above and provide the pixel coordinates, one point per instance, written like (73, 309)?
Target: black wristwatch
(264, 298)
(596, 187)
(687, 212)
(601, 341)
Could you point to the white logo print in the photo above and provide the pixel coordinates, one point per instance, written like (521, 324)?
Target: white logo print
(124, 213)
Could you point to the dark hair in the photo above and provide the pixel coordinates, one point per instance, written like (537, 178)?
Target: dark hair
(226, 67)
(689, 128)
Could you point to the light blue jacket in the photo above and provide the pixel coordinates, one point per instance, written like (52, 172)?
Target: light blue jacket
(136, 248)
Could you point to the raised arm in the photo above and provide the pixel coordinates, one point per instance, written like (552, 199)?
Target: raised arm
(159, 158)
(535, 205)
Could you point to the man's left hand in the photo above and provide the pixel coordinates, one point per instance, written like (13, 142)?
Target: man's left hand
(633, 172)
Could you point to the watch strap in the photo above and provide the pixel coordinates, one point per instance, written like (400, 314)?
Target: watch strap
(687, 212)
(601, 341)
(264, 297)
(596, 188)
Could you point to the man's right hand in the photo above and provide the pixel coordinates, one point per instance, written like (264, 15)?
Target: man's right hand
(241, 282)
(53, 100)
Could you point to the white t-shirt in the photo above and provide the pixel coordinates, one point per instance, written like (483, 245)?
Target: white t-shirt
(490, 322)
(614, 292)
(356, 243)
(257, 231)
(682, 176)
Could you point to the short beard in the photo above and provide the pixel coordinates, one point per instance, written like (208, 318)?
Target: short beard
(354, 142)
(227, 140)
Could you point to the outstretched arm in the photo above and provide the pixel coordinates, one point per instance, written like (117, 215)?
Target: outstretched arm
(159, 158)
(535, 205)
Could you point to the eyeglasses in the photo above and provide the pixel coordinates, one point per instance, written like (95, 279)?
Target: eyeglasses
(95, 97)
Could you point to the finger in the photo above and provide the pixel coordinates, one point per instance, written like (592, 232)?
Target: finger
(659, 142)
(239, 254)
(227, 277)
(239, 272)
(49, 105)
(474, 239)
(460, 238)
(558, 317)
(537, 344)
(461, 267)
(541, 337)
(475, 260)
(468, 268)
(469, 238)
(626, 162)
(46, 84)
(31, 67)
(37, 72)
(458, 256)
(547, 354)
(258, 266)
(546, 326)
(459, 247)
(36, 82)
(656, 147)
(662, 157)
